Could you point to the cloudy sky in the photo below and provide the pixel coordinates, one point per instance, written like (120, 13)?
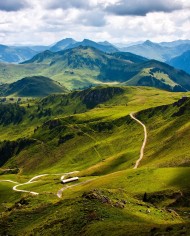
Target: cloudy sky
(118, 21)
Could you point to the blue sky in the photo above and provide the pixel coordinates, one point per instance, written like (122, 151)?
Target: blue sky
(117, 21)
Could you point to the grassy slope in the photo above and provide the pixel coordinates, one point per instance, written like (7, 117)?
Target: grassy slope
(84, 66)
(159, 75)
(36, 86)
(106, 157)
(169, 126)
(134, 99)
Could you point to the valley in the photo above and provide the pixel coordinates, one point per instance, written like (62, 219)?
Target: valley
(94, 118)
(91, 134)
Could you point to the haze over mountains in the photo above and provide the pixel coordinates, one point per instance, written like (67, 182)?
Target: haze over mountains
(17, 54)
(85, 66)
(164, 51)
(181, 62)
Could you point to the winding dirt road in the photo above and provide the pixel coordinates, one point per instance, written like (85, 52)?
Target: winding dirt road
(33, 180)
(29, 182)
(144, 142)
(59, 193)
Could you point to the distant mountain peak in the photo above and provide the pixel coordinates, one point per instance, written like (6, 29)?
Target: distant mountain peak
(62, 44)
(87, 41)
(148, 42)
(102, 47)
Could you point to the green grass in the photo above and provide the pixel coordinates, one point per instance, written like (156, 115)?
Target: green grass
(82, 67)
(102, 143)
(74, 214)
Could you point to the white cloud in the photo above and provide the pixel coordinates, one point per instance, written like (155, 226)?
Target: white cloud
(39, 24)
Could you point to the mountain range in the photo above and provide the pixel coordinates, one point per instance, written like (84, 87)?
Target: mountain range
(86, 66)
(159, 51)
(164, 51)
(17, 54)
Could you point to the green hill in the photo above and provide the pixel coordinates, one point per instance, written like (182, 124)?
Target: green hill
(160, 75)
(35, 86)
(83, 66)
(99, 114)
(171, 131)
(90, 131)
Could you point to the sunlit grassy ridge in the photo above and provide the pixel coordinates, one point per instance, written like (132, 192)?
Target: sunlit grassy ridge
(168, 125)
(36, 86)
(91, 131)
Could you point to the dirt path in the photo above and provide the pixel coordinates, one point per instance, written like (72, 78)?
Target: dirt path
(29, 182)
(24, 191)
(33, 180)
(144, 142)
(59, 193)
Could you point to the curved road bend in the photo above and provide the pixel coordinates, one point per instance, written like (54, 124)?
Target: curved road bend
(59, 193)
(17, 185)
(29, 182)
(144, 142)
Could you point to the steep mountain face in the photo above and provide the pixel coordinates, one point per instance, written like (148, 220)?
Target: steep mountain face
(61, 45)
(15, 54)
(181, 62)
(105, 47)
(36, 86)
(92, 97)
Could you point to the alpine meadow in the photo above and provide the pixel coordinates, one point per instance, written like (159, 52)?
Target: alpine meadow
(94, 118)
